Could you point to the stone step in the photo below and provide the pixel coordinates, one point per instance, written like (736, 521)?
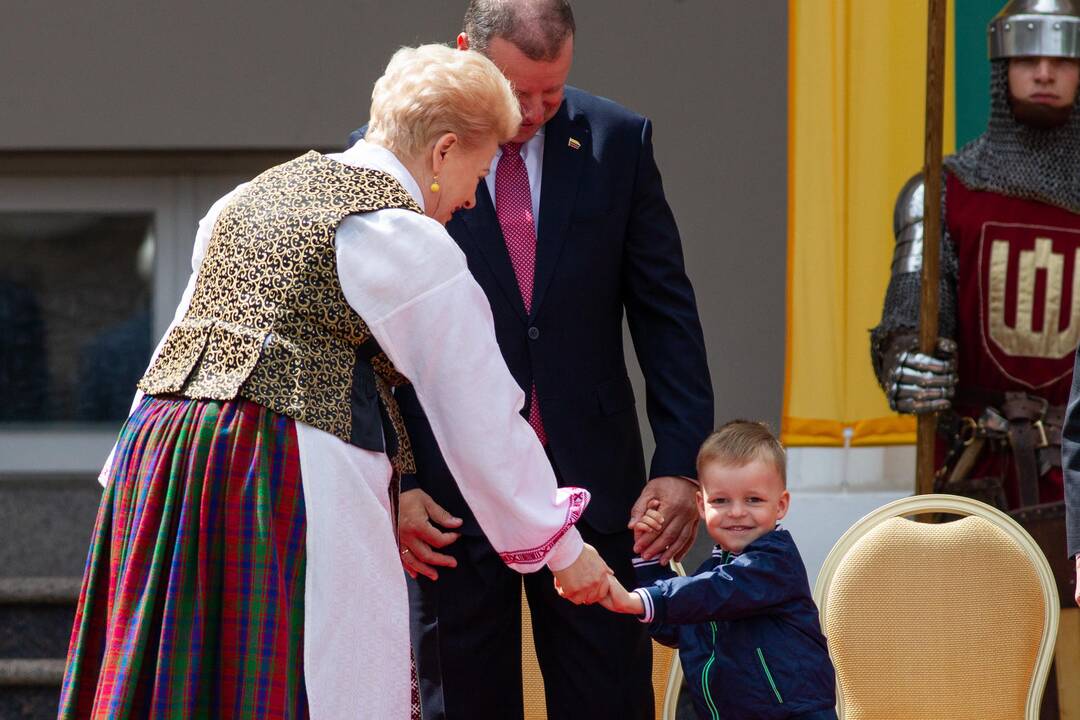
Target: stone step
(47, 590)
(36, 615)
(30, 689)
(45, 527)
(30, 673)
(29, 703)
(45, 524)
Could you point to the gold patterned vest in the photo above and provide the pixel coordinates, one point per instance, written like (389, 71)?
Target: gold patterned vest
(268, 320)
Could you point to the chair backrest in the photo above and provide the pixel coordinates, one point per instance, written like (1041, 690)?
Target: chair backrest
(667, 674)
(666, 684)
(951, 620)
(666, 671)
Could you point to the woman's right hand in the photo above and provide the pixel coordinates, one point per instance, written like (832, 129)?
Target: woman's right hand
(418, 536)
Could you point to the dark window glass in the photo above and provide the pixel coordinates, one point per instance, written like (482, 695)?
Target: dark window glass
(75, 298)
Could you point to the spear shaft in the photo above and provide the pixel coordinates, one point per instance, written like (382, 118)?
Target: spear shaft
(928, 300)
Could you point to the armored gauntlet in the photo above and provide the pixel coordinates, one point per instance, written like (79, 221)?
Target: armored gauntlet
(918, 383)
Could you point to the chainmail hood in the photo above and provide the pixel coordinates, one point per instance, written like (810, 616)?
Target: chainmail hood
(1021, 161)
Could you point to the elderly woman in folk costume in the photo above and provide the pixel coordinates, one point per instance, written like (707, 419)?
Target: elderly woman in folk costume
(244, 562)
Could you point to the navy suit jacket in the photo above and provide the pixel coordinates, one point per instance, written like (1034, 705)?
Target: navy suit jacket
(607, 244)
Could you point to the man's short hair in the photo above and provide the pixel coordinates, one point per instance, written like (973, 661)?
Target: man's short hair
(536, 27)
(741, 442)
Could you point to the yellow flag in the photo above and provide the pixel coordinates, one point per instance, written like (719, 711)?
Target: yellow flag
(857, 89)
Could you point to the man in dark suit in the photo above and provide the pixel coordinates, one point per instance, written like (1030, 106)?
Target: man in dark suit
(570, 230)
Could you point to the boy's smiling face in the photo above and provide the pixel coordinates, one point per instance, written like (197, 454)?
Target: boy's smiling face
(740, 504)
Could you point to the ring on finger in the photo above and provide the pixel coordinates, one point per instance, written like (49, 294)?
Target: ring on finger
(405, 552)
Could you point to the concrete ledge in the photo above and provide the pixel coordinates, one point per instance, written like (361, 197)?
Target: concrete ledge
(31, 672)
(882, 468)
(60, 590)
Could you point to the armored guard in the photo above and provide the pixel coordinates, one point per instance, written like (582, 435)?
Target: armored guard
(1010, 287)
(1009, 292)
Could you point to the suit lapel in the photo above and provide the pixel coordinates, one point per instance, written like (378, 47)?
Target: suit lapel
(484, 228)
(561, 172)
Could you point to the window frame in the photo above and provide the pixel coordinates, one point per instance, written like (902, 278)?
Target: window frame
(175, 204)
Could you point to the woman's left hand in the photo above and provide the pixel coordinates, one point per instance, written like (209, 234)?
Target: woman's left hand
(419, 537)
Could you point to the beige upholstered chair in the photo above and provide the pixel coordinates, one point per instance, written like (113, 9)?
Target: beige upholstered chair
(666, 671)
(667, 679)
(955, 620)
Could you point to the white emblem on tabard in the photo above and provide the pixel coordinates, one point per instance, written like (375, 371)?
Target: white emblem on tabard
(1023, 339)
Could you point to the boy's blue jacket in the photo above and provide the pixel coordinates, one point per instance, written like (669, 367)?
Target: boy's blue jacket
(747, 631)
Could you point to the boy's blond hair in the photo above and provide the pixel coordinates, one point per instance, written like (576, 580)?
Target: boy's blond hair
(739, 443)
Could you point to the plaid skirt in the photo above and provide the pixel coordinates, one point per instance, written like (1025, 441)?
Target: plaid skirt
(192, 603)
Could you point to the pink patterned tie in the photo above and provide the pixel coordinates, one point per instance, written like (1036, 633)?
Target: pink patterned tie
(513, 206)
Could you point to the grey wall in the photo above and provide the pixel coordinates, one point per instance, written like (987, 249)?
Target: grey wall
(228, 74)
(125, 75)
(712, 74)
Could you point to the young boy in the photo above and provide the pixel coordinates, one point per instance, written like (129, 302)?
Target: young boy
(745, 625)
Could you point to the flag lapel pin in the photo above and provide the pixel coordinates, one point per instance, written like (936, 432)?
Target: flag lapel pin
(574, 144)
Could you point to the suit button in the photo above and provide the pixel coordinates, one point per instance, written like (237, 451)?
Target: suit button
(534, 333)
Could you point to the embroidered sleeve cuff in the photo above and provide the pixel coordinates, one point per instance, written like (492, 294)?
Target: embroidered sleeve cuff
(561, 549)
(566, 550)
(647, 603)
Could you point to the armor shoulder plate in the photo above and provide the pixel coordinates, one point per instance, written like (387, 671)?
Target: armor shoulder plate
(908, 227)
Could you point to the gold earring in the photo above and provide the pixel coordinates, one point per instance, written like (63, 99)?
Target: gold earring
(435, 187)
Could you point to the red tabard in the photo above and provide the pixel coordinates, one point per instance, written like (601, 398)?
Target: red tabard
(1018, 302)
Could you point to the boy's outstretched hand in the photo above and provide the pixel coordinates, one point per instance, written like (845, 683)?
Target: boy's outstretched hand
(620, 600)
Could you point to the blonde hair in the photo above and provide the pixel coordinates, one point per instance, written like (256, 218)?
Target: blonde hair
(430, 90)
(741, 442)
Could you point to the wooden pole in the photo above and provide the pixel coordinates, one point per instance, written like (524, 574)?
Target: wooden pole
(928, 301)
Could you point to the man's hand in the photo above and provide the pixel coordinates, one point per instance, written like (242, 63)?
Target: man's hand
(418, 535)
(677, 507)
(585, 580)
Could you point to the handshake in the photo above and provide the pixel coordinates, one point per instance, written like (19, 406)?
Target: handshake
(589, 580)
